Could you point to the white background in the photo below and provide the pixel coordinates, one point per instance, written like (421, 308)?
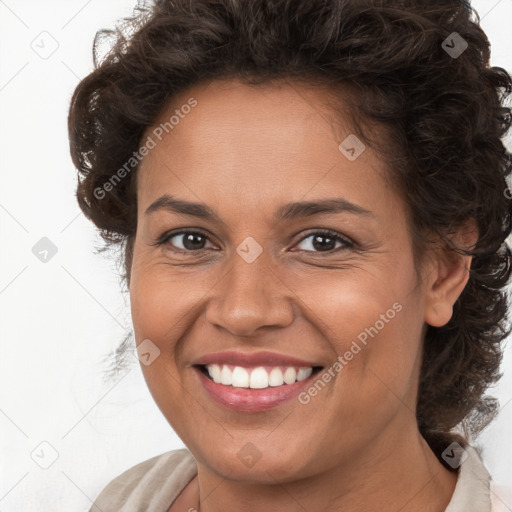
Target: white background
(60, 318)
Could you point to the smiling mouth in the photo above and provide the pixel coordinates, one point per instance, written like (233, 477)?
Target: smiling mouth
(256, 377)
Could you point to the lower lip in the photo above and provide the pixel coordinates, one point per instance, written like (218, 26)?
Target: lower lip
(252, 400)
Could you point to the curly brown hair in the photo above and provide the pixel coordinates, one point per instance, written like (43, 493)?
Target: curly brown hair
(446, 115)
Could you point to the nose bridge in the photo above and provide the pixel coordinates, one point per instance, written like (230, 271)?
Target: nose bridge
(249, 296)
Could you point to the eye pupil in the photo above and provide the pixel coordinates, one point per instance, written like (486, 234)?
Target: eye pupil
(190, 241)
(330, 244)
(194, 241)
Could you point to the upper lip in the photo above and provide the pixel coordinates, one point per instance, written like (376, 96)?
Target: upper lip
(252, 359)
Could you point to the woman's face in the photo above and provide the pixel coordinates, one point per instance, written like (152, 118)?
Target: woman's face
(263, 277)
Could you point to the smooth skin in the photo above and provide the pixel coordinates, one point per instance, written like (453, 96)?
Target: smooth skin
(245, 151)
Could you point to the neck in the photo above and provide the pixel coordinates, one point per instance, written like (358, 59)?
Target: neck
(390, 476)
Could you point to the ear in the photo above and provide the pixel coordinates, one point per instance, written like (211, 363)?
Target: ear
(448, 275)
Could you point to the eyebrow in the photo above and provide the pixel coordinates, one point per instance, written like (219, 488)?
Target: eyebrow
(285, 212)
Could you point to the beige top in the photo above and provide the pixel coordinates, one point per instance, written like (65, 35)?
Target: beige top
(153, 485)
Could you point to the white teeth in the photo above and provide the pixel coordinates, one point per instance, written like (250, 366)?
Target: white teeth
(215, 372)
(226, 376)
(275, 377)
(240, 377)
(290, 375)
(304, 373)
(257, 378)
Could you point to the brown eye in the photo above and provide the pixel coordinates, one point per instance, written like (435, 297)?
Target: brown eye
(187, 241)
(323, 241)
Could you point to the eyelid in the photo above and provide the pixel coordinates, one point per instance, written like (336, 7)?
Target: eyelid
(346, 241)
(165, 237)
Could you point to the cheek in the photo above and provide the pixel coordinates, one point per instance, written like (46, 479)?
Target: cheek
(163, 301)
(373, 325)
(348, 304)
(160, 308)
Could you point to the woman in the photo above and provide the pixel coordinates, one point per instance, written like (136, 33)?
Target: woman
(312, 204)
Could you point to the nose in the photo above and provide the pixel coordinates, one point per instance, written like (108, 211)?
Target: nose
(249, 297)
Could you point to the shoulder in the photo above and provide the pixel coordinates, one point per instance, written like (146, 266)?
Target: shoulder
(151, 485)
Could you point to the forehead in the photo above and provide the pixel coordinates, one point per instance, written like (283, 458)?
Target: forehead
(273, 141)
(226, 112)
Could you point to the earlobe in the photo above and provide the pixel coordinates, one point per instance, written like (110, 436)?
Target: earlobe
(448, 279)
(444, 290)
(438, 314)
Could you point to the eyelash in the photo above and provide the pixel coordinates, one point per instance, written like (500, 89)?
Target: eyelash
(347, 243)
